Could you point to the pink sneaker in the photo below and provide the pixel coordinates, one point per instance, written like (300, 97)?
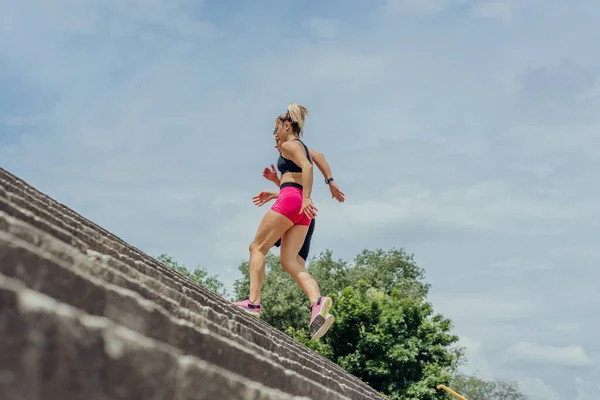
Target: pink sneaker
(321, 320)
(251, 308)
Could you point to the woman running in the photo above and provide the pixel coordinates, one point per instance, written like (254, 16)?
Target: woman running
(289, 219)
(265, 197)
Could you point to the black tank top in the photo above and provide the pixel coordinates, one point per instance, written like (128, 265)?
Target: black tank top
(284, 165)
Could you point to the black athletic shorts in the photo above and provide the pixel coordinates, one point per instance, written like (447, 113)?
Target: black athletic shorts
(306, 245)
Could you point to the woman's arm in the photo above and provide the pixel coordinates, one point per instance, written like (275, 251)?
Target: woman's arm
(321, 162)
(264, 197)
(323, 165)
(271, 175)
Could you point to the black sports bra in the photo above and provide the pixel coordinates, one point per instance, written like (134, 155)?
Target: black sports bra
(284, 165)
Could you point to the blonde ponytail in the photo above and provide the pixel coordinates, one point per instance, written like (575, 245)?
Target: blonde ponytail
(296, 114)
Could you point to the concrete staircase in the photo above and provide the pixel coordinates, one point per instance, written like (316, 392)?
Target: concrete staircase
(84, 315)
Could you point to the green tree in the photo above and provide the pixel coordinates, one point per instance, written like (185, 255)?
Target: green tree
(199, 275)
(385, 331)
(475, 388)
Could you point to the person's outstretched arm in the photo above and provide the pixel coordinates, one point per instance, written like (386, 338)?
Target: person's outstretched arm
(323, 166)
(264, 197)
(271, 175)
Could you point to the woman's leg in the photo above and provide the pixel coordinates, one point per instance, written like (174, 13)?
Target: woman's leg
(272, 227)
(291, 242)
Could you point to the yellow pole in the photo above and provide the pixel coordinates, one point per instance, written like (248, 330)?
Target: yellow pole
(452, 392)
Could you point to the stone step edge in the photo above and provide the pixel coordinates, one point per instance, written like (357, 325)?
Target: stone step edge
(50, 200)
(175, 279)
(77, 218)
(147, 261)
(16, 224)
(349, 379)
(171, 274)
(271, 353)
(119, 338)
(220, 342)
(166, 276)
(149, 310)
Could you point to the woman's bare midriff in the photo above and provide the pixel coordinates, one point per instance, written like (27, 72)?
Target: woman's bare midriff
(295, 177)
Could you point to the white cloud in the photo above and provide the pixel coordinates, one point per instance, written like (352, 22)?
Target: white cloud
(482, 309)
(568, 356)
(533, 388)
(536, 389)
(421, 6)
(477, 361)
(587, 390)
(481, 207)
(324, 28)
(500, 9)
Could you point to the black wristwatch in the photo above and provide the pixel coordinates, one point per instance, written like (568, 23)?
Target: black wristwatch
(328, 180)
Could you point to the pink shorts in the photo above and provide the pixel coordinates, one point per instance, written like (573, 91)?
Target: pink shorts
(289, 203)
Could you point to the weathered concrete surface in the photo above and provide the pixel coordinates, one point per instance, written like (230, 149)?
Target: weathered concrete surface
(50, 249)
(53, 351)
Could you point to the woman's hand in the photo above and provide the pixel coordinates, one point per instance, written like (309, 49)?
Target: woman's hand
(264, 197)
(270, 174)
(308, 208)
(336, 193)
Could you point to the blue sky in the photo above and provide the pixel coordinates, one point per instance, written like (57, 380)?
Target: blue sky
(465, 131)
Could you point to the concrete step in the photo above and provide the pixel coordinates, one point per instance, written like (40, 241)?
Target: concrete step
(19, 196)
(291, 358)
(185, 291)
(176, 281)
(43, 268)
(51, 351)
(149, 278)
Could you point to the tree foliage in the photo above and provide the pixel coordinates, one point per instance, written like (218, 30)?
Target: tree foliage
(385, 333)
(475, 388)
